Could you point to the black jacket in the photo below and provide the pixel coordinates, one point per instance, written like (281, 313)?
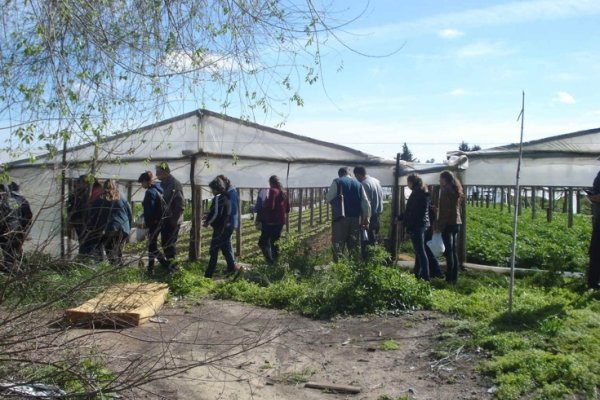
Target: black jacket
(417, 210)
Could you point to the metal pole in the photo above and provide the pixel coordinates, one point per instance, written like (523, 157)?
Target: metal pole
(516, 211)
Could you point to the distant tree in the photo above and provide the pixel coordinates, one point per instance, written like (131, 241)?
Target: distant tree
(431, 161)
(464, 146)
(407, 155)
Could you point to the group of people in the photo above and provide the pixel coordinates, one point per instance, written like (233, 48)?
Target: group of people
(102, 219)
(422, 219)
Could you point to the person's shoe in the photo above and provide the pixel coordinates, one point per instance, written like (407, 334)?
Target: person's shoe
(236, 272)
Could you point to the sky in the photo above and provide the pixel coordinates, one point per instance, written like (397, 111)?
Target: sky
(458, 74)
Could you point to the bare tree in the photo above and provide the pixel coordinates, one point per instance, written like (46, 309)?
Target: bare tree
(76, 71)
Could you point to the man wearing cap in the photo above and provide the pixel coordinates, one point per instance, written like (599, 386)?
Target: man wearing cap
(594, 266)
(175, 204)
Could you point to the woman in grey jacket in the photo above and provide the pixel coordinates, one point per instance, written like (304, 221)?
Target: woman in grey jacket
(449, 220)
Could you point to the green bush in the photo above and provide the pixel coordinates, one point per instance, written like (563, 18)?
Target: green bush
(344, 288)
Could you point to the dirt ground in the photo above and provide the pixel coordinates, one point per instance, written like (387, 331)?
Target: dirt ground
(236, 351)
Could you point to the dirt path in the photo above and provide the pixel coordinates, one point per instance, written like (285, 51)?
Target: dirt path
(294, 349)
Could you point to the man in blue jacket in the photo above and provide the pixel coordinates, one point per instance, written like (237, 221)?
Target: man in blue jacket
(345, 229)
(153, 205)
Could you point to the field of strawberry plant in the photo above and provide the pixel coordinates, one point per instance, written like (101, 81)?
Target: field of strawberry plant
(549, 246)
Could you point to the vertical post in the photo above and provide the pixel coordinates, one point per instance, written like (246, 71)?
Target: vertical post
(327, 213)
(63, 211)
(238, 231)
(520, 202)
(550, 204)
(320, 206)
(501, 198)
(287, 216)
(578, 202)
(462, 234)
(194, 234)
(488, 194)
(533, 201)
(312, 207)
(565, 206)
(570, 210)
(543, 199)
(252, 200)
(395, 207)
(495, 194)
(509, 198)
(300, 204)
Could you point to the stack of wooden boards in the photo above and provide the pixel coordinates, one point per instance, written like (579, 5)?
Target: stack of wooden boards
(123, 305)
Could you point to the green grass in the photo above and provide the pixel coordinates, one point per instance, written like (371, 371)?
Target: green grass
(548, 348)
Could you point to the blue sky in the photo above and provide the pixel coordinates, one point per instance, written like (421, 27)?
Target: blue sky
(458, 75)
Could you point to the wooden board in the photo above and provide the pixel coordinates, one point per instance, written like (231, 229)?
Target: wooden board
(123, 305)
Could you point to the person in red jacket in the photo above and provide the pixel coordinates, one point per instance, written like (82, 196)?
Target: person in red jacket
(274, 209)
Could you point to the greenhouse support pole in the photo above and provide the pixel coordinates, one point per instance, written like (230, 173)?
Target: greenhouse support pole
(194, 249)
(516, 211)
(63, 212)
(395, 207)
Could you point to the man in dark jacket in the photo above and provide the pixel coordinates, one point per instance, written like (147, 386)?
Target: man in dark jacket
(173, 215)
(153, 205)
(357, 210)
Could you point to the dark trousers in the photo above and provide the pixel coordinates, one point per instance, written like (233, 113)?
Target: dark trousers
(153, 251)
(221, 240)
(434, 265)
(449, 236)
(168, 241)
(373, 234)
(269, 236)
(593, 274)
(417, 236)
(12, 251)
(113, 244)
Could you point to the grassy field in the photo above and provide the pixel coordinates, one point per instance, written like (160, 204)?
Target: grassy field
(548, 348)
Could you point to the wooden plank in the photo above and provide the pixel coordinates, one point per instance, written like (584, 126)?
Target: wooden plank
(333, 387)
(123, 305)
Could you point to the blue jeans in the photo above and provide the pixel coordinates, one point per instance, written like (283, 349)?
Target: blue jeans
(449, 236)
(417, 236)
(221, 240)
(269, 236)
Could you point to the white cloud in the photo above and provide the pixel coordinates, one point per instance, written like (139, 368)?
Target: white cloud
(501, 14)
(458, 92)
(565, 97)
(182, 61)
(450, 33)
(479, 49)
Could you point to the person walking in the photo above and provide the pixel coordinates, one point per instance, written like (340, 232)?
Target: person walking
(153, 209)
(416, 221)
(275, 208)
(219, 217)
(113, 219)
(374, 193)
(449, 221)
(172, 215)
(593, 272)
(356, 212)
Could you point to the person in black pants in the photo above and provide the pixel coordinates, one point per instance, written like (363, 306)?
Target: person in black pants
(416, 221)
(152, 216)
(593, 274)
(449, 221)
(174, 204)
(219, 217)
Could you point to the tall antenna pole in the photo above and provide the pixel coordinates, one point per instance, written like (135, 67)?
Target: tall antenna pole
(516, 210)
